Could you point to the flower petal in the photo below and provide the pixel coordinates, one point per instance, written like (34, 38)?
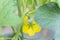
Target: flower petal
(25, 29)
(31, 32)
(25, 20)
(36, 27)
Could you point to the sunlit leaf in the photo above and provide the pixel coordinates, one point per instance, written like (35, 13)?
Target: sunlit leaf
(54, 0)
(43, 1)
(58, 1)
(8, 13)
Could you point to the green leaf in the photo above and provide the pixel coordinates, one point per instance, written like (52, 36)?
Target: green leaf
(8, 13)
(29, 2)
(58, 1)
(54, 0)
(48, 16)
(43, 1)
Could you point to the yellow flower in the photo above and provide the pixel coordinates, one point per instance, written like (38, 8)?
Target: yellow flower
(30, 29)
(25, 20)
(36, 27)
(25, 29)
(31, 32)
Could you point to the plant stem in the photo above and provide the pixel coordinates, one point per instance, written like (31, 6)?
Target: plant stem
(20, 15)
(20, 31)
(14, 30)
(19, 8)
